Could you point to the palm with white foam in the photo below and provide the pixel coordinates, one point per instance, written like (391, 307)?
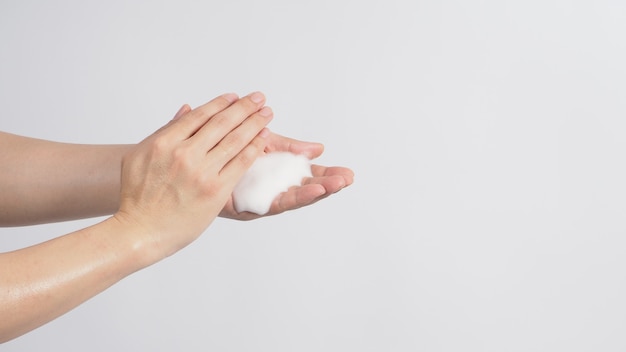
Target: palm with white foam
(325, 181)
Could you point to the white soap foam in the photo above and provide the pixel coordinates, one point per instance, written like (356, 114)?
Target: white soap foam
(269, 175)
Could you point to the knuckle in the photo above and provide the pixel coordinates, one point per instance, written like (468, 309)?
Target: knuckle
(225, 100)
(246, 157)
(249, 154)
(201, 116)
(210, 190)
(160, 145)
(182, 156)
(234, 141)
(207, 186)
(221, 122)
(245, 107)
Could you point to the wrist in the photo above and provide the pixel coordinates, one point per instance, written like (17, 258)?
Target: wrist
(134, 244)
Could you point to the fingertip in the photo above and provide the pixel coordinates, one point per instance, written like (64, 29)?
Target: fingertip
(266, 112)
(265, 133)
(257, 97)
(314, 150)
(320, 148)
(182, 111)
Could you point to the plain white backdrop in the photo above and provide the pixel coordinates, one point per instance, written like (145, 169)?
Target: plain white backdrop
(487, 137)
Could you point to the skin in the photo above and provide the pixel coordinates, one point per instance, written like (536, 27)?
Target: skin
(161, 194)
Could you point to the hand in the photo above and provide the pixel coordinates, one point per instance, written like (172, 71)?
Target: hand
(179, 179)
(325, 180)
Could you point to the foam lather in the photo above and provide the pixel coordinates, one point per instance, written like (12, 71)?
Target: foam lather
(270, 175)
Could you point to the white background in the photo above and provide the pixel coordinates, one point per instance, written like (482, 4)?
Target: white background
(487, 138)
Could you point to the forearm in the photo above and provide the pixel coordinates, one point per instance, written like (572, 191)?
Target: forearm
(165, 203)
(42, 282)
(43, 181)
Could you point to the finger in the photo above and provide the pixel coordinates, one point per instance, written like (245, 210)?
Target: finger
(227, 120)
(347, 174)
(239, 138)
(298, 197)
(189, 123)
(331, 184)
(284, 144)
(241, 162)
(182, 111)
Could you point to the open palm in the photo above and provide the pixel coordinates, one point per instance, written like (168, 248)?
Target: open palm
(325, 181)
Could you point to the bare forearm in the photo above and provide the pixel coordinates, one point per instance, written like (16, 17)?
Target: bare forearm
(43, 181)
(42, 282)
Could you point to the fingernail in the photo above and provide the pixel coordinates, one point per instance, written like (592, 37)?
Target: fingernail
(231, 97)
(266, 111)
(257, 97)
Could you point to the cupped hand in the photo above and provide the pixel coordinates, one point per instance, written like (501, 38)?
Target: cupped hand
(176, 181)
(325, 180)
